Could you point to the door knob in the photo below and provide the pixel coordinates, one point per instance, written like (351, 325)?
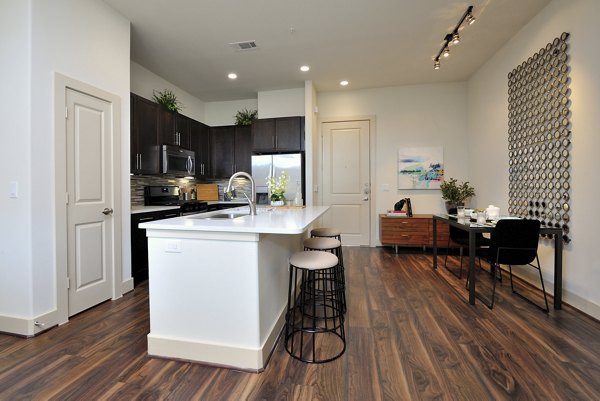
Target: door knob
(107, 211)
(366, 198)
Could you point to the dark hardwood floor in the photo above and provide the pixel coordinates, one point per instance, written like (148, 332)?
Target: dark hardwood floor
(410, 335)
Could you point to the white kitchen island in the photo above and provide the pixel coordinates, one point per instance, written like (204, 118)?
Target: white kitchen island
(218, 287)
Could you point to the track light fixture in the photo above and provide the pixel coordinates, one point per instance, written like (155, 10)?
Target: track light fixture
(453, 37)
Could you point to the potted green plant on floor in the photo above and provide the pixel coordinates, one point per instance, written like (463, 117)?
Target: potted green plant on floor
(455, 193)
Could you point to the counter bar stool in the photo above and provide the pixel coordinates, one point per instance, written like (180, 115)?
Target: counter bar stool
(314, 323)
(329, 244)
(328, 232)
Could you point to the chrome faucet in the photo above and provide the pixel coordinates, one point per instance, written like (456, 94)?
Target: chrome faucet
(251, 200)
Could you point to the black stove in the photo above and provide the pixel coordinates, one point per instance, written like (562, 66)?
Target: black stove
(168, 195)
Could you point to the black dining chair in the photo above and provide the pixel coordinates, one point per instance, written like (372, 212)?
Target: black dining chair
(515, 242)
(461, 238)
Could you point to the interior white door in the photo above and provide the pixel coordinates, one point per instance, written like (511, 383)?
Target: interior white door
(89, 205)
(346, 179)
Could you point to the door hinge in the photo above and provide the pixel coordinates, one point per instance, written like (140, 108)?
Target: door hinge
(68, 283)
(66, 198)
(66, 113)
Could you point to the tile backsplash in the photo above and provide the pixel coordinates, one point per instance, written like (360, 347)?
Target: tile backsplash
(138, 182)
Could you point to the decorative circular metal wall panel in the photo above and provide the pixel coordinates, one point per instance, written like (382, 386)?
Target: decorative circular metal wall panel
(539, 137)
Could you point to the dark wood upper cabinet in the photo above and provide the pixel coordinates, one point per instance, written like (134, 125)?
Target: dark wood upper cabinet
(231, 150)
(243, 149)
(222, 143)
(200, 144)
(263, 134)
(284, 134)
(174, 128)
(144, 136)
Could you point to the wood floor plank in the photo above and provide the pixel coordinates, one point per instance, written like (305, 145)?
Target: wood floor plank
(411, 335)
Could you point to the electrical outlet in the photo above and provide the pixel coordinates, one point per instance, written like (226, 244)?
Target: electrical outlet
(13, 189)
(173, 246)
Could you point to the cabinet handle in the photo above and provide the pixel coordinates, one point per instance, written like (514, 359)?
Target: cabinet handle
(172, 215)
(404, 235)
(140, 161)
(232, 169)
(275, 141)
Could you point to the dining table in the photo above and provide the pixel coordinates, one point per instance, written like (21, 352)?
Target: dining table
(473, 228)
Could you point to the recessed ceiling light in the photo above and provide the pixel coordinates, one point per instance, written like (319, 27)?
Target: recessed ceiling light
(232, 76)
(343, 83)
(304, 68)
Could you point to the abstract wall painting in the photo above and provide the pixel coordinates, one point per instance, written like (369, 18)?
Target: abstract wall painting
(420, 168)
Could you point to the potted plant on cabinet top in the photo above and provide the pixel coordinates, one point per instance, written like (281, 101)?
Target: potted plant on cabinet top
(167, 99)
(245, 117)
(455, 193)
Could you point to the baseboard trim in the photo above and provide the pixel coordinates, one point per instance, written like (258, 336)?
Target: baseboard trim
(127, 286)
(28, 327)
(223, 355)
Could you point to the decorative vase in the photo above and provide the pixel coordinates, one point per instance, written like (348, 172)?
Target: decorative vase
(277, 203)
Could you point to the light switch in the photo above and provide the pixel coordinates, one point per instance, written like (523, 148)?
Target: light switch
(173, 246)
(13, 189)
(385, 187)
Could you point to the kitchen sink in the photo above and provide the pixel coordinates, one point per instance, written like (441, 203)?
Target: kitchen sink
(221, 216)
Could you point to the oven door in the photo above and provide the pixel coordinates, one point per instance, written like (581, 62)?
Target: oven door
(177, 161)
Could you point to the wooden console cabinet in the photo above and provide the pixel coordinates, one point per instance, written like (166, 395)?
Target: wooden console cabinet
(411, 231)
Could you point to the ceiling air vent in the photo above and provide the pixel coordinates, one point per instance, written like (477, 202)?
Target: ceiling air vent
(248, 45)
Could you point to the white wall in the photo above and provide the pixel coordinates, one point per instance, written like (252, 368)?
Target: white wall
(310, 139)
(223, 113)
(281, 103)
(407, 116)
(15, 166)
(488, 126)
(85, 40)
(144, 82)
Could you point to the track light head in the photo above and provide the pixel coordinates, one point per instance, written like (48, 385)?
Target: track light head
(436, 64)
(470, 19)
(455, 38)
(446, 52)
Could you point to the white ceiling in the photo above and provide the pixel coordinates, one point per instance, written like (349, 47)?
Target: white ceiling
(370, 43)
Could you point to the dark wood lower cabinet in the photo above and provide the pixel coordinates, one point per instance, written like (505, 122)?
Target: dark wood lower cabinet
(139, 242)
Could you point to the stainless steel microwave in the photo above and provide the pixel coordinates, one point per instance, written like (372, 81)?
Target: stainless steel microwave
(178, 161)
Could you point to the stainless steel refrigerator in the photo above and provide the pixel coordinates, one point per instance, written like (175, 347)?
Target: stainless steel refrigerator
(264, 166)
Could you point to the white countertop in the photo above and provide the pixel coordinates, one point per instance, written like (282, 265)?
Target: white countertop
(269, 220)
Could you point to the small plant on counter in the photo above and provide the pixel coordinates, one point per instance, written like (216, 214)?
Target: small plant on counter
(277, 187)
(456, 193)
(168, 99)
(245, 117)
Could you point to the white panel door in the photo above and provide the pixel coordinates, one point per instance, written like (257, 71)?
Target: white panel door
(346, 182)
(89, 208)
